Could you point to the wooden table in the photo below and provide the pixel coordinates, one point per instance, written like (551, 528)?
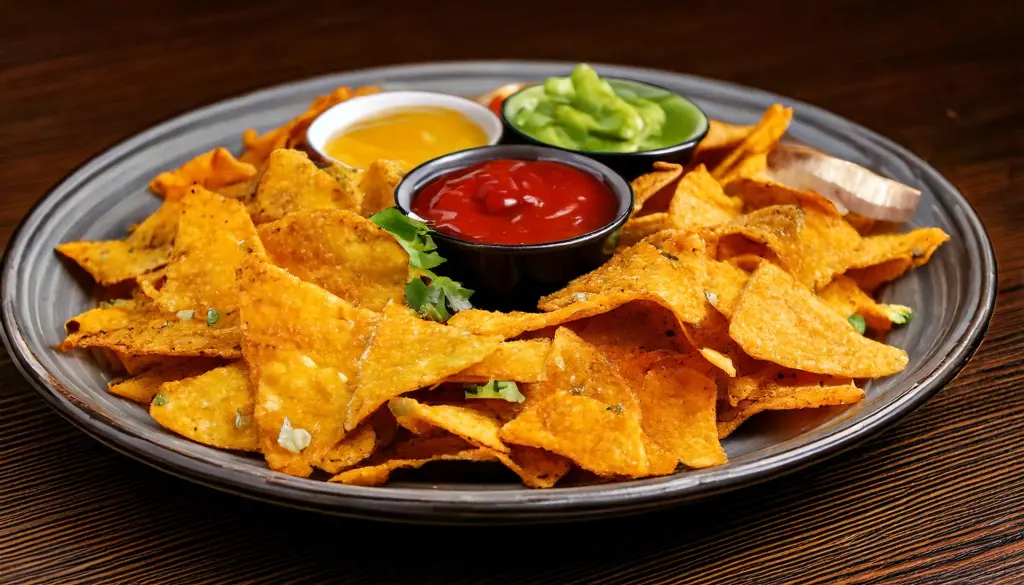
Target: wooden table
(938, 499)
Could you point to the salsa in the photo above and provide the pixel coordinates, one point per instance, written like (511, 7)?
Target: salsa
(411, 136)
(509, 201)
(588, 113)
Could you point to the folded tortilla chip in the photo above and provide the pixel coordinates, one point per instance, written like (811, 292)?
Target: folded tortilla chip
(351, 450)
(536, 467)
(778, 320)
(408, 353)
(344, 253)
(678, 405)
(303, 347)
(765, 135)
(411, 454)
(148, 246)
(211, 170)
(472, 425)
(645, 187)
(214, 408)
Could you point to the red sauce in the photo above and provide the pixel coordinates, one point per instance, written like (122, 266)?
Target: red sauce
(516, 202)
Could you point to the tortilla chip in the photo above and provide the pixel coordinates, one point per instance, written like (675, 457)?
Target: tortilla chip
(472, 425)
(515, 323)
(515, 361)
(750, 167)
(303, 346)
(536, 467)
(138, 327)
(640, 326)
(638, 228)
(722, 135)
(678, 405)
(257, 148)
(778, 320)
(143, 387)
(214, 236)
(879, 259)
(408, 353)
(412, 454)
(673, 280)
(765, 135)
(342, 252)
(147, 247)
(846, 298)
(378, 185)
(291, 183)
(647, 186)
(787, 391)
(758, 193)
(724, 284)
(211, 170)
(581, 393)
(699, 201)
(212, 408)
(351, 450)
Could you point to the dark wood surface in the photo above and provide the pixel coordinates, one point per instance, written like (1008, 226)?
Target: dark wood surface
(937, 499)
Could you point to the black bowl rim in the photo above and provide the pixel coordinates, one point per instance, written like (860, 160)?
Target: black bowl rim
(618, 185)
(675, 148)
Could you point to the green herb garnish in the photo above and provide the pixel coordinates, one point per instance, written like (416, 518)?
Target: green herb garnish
(857, 321)
(212, 317)
(412, 235)
(899, 314)
(159, 400)
(504, 390)
(433, 297)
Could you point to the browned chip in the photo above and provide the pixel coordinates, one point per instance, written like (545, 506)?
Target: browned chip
(408, 353)
(351, 450)
(476, 427)
(647, 186)
(879, 259)
(761, 139)
(536, 467)
(757, 193)
(342, 252)
(778, 320)
(291, 182)
(212, 170)
(638, 228)
(411, 454)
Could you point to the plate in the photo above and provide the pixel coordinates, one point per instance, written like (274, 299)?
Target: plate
(953, 295)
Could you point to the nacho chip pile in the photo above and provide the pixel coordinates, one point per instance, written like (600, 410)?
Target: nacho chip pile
(267, 314)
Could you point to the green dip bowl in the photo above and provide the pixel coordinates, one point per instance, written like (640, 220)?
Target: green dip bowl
(627, 164)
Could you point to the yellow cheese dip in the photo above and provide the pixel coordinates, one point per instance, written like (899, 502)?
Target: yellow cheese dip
(410, 136)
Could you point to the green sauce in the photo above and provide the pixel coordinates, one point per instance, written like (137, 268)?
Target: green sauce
(585, 112)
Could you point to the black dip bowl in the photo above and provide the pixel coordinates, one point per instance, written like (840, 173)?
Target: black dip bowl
(628, 164)
(513, 277)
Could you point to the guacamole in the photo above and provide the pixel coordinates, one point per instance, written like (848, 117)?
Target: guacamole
(587, 113)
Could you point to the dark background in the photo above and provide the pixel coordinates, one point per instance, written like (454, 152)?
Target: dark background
(937, 499)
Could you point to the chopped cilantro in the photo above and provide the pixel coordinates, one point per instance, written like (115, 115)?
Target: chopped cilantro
(899, 314)
(212, 317)
(159, 400)
(504, 390)
(412, 235)
(293, 440)
(857, 321)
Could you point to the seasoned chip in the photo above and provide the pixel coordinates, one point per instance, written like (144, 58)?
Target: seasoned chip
(351, 450)
(291, 183)
(536, 467)
(749, 167)
(472, 425)
(147, 247)
(647, 186)
(212, 170)
(674, 280)
(724, 285)
(411, 454)
(582, 392)
(757, 193)
(515, 361)
(303, 346)
(640, 326)
(678, 405)
(514, 323)
(847, 299)
(378, 185)
(721, 136)
(787, 391)
(638, 228)
(143, 387)
(879, 259)
(214, 236)
(139, 327)
(778, 320)
(408, 353)
(339, 250)
(765, 135)
(699, 201)
(214, 408)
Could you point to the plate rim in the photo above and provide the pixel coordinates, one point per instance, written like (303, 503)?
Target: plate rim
(460, 506)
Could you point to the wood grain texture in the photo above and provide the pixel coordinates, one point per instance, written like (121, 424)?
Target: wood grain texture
(937, 499)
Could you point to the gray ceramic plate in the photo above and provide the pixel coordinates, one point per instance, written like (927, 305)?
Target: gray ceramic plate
(953, 297)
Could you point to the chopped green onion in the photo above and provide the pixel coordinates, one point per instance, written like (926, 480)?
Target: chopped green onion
(857, 321)
(212, 317)
(504, 390)
(159, 400)
(899, 314)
